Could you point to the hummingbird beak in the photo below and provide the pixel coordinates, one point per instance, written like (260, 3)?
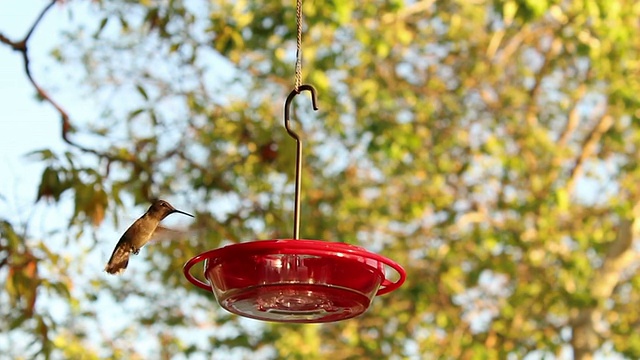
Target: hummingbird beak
(181, 212)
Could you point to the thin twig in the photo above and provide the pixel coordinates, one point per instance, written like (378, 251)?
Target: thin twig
(588, 148)
(574, 116)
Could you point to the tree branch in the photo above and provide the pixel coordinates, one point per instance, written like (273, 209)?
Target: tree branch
(22, 47)
(585, 324)
(67, 128)
(573, 117)
(416, 8)
(588, 148)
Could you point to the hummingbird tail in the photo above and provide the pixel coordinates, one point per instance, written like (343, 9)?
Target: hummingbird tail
(119, 260)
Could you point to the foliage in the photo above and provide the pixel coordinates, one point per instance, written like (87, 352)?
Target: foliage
(489, 147)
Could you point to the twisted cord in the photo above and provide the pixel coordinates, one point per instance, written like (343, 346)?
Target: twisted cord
(298, 75)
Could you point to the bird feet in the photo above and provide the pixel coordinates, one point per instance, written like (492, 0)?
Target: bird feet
(135, 251)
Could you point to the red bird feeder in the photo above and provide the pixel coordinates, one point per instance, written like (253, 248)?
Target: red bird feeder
(304, 281)
(292, 280)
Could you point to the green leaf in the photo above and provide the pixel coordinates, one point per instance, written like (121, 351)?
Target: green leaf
(44, 154)
(101, 27)
(142, 92)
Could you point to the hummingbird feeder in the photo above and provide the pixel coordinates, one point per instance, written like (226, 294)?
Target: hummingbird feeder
(295, 280)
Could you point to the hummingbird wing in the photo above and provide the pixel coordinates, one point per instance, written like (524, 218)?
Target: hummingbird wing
(119, 258)
(163, 233)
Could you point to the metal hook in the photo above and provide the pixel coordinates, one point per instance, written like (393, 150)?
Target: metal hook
(287, 105)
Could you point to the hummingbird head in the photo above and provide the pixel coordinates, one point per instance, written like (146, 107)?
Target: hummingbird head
(162, 209)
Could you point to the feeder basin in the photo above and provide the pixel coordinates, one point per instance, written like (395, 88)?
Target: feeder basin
(302, 281)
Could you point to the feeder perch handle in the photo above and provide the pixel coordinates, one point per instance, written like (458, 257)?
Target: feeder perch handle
(287, 105)
(186, 269)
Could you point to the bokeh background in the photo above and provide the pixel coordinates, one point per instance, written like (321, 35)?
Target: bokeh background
(491, 147)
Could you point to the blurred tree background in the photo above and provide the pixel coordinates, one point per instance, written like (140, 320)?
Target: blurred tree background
(491, 147)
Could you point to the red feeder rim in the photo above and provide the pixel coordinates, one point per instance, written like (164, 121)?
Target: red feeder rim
(303, 281)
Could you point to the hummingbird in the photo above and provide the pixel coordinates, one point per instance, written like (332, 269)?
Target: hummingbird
(138, 234)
